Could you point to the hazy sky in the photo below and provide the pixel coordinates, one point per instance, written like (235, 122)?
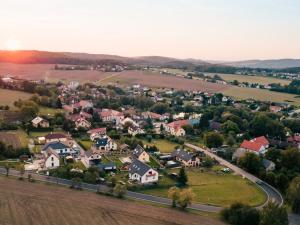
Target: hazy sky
(204, 29)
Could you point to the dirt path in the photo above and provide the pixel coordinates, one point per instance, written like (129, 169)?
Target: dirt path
(40, 204)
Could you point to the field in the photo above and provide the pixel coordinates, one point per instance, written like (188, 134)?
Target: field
(36, 203)
(251, 79)
(17, 139)
(260, 94)
(218, 189)
(7, 97)
(164, 146)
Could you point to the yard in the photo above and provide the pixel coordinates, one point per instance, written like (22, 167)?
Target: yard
(215, 188)
(163, 145)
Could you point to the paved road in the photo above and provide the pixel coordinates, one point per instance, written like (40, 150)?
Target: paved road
(272, 193)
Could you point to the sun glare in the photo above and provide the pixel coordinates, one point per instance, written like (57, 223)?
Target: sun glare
(12, 45)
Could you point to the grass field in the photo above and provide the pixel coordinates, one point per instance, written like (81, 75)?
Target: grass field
(260, 94)
(36, 203)
(86, 144)
(49, 111)
(218, 189)
(18, 139)
(7, 97)
(164, 146)
(251, 79)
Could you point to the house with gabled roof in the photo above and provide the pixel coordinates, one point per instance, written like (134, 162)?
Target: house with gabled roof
(186, 158)
(59, 147)
(141, 172)
(105, 143)
(91, 158)
(56, 137)
(111, 116)
(97, 133)
(51, 159)
(82, 123)
(257, 145)
(40, 122)
(140, 154)
(176, 127)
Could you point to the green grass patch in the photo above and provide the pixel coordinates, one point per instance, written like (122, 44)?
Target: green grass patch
(86, 144)
(216, 188)
(46, 111)
(164, 146)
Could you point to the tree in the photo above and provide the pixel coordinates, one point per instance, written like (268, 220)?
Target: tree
(250, 162)
(230, 126)
(58, 103)
(173, 194)
(185, 198)
(213, 140)
(291, 158)
(7, 168)
(293, 194)
(182, 177)
(21, 169)
(240, 214)
(160, 108)
(120, 190)
(273, 214)
(76, 183)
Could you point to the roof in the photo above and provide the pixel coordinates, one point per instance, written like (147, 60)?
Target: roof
(89, 153)
(50, 152)
(138, 151)
(250, 145)
(101, 142)
(110, 112)
(294, 139)
(267, 163)
(182, 154)
(101, 130)
(37, 120)
(55, 136)
(138, 167)
(54, 145)
(262, 140)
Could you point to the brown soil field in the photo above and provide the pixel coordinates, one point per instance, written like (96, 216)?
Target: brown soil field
(23, 203)
(10, 139)
(164, 81)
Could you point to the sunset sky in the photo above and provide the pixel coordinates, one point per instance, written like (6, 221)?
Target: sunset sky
(203, 29)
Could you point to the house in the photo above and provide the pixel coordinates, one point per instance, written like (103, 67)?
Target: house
(142, 172)
(175, 127)
(97, 133)
(40, 122)
(51, 159)
(268, 165)
(82, 123)
(56, 137)
(257, 145)
(186, 158)
(152, 116)
(111, 166)
(295, 141)
(134, 130)
(140, 154)
(111, 116)
(105, 143)
(59, 147)
(275, 108)
(91, 158)
(127, 122)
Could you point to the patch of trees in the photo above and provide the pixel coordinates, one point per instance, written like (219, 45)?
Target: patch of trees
(8, 151)
(292, 88)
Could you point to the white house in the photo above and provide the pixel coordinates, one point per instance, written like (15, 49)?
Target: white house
(186, 158)
(59, 147)
(97, 133)
(142, 173)
(105, 143)
(112, 116)
(40, 122)
(175, 127)
(82, 123)
(51, 159)
(133, 130)
(91, 158)
(257, 145)
(140, 154)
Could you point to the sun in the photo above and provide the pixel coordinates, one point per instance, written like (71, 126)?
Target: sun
(12, 45)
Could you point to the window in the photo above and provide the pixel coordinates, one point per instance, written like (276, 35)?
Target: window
(52, 164)
(52, 159)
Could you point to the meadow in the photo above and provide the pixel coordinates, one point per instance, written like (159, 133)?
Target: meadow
(7, 97)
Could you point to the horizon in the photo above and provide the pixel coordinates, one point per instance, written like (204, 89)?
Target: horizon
(217, 30)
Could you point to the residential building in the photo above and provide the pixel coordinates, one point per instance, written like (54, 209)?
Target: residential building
(51, 159)
(59, 147)
(142, 172)
(257, 145)
(56, 137)
(97, 133)
(40, 122)
(91, 158)
(140, 154)
(186, 158)
(105, 143)
(176, 127)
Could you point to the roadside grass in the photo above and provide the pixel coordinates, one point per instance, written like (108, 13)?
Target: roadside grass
(163, 145)
(216, 188)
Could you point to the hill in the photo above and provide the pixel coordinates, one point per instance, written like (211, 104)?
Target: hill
(269, 64)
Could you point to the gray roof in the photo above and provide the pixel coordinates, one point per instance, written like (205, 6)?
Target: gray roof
(54, 145)
(182, 154)
(267, 163)
(138, 151)
(138, 167)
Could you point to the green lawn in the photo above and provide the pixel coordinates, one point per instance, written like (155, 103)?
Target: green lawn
(216, 189)
(164, 146)
(49, 111)
(86, 144)
(8, 97)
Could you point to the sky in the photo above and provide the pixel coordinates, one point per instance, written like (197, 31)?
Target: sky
(202, 29)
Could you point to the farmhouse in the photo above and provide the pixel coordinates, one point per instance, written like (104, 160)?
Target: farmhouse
(51, 159)
(257, 145)
(40, 122)
(142, 173)
(186, 158)
(97, 133)
(140, 154)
